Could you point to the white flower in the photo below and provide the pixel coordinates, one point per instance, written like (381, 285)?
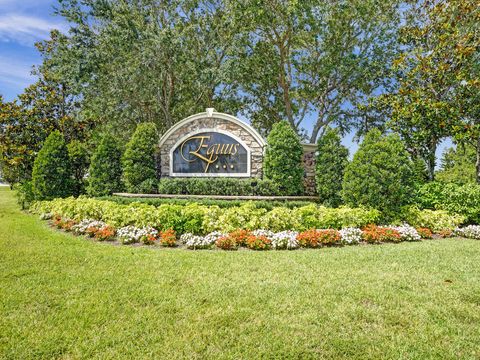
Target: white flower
(407, 232)
(260, 232)
(131, 234)
(197, 242)
(470, 231)
(284, 240)
(351, 235)
(213, 237)
(83, 225)
(46, 216)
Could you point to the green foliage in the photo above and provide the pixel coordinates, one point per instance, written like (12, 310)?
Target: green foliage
(283, 159)
(51, 175)
(218, 186)
(292, 63)
(330, 166)
(24, 193)
(436, 220)
(380, 175)
(458, 166)
(45, 106)
(80, 161)
(455, 199)
(202, 219)
(437, 76)
(105, 170)
(138, 161)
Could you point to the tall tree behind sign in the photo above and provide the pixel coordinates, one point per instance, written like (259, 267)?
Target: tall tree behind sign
(317, 59)
(147, 60)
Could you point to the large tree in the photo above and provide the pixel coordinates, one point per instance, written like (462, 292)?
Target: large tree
(311, 59)
(437, 78)
(150, 60)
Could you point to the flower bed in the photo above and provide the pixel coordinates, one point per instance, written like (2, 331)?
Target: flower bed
(260, 239)
(202, 219)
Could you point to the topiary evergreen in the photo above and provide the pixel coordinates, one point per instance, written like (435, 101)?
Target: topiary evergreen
(332, 158)
(380, 175)
(139, 165)
(80, 161)
(105, 168)
(51, 175)
(283, 159)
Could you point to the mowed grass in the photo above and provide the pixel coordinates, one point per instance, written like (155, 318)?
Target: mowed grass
(67, 297)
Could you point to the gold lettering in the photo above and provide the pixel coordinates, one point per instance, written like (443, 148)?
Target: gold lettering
(212, 150)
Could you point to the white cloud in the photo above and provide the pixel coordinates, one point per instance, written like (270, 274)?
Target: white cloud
(25, 29)
(15, 72)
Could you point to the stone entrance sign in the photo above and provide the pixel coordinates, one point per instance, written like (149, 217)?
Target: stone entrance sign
(211, 144)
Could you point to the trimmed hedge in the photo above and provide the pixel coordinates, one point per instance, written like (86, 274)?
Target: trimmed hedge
(331, 161)
(219, 186)
(52, 172)
(283, 159)
(266, 204)
(380, 175)
(138, 161)
(105, 170)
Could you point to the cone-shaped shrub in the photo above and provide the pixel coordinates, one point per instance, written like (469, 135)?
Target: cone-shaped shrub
(330, 166)
(380, 175)
(79, 160)
(139, 170)
(51, 175)
(105, 170)
(283, 159)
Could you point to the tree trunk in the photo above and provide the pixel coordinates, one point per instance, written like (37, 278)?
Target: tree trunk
(477, 163)
(432, 149)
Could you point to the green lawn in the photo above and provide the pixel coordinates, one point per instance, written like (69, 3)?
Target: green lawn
(67, 297)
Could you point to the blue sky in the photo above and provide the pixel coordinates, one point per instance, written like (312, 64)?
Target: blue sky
(22, 23)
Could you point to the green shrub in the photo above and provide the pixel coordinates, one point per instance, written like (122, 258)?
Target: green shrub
(105, 168)
(266, 204)
(218, 186)
(24, 193)
(436, 220)
(458, 165)
(80, 161)
(456, 199)
(138, 161)
(313, 217)
(52, 174)
(330, 166)
(283, 159)
(380, 175)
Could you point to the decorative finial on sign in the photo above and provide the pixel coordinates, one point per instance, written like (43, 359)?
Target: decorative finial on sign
(210, 112)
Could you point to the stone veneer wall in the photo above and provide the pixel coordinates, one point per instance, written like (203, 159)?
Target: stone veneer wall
(309, 168)
(213, 123)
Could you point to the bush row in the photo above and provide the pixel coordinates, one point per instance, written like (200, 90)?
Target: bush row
(220, 186)
(266, 204)
(201, 219)
(256, 239)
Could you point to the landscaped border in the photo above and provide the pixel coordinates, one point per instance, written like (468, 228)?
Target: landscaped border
(219, 197)
(257, 239)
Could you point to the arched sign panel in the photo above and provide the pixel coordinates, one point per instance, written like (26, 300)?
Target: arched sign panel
(210, 153)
